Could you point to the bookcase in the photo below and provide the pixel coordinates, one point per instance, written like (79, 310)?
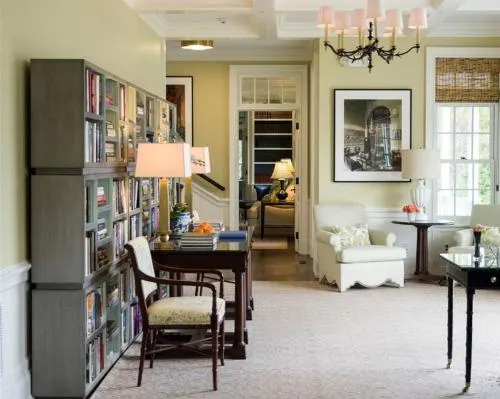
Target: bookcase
(86, 204)
(272, 141)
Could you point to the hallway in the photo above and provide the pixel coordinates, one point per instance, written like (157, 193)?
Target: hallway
(281, 265)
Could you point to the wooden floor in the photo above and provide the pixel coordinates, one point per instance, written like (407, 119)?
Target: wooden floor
(281, 265)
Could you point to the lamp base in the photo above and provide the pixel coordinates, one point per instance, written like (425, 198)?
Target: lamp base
(163, 237)
(282, 195)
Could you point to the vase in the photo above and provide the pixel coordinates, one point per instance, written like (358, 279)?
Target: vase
(411, 216)
(179, 224)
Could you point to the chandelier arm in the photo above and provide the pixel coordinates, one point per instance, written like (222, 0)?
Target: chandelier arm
(414, 47)
(341, 52)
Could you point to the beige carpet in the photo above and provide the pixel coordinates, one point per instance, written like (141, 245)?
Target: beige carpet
(270, 243)
(307, 341)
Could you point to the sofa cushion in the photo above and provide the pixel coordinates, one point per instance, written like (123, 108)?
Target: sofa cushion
(352, 236)
(370, 253)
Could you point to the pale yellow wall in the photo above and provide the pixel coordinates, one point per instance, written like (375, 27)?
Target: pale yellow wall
(210, 112)
(105, 32)
(407, 72)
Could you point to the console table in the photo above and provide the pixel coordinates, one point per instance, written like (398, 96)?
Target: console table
(228, 255)
(472, 274)
(422, 262)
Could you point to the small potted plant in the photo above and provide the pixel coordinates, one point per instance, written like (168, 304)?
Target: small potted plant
(180, 218)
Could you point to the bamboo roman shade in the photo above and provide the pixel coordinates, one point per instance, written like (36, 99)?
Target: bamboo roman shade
(460, 80)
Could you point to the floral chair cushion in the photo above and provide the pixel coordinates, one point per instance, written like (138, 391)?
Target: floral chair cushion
(351, 236)
(184, 310)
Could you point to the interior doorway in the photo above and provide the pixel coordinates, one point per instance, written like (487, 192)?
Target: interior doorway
(268, 110)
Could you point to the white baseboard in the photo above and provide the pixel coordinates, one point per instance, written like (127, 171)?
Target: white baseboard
(15, 377)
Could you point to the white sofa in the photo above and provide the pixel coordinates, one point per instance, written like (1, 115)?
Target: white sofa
(369, 265)
(486, 215)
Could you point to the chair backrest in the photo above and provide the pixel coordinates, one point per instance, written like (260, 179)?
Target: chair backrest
(327, 215)
(141, 260)
(486, 215)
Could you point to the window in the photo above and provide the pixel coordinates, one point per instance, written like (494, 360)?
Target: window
(465, 135)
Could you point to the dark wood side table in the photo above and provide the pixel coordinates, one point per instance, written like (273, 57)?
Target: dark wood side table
(472, 274)
(422, 226)
(263, 205)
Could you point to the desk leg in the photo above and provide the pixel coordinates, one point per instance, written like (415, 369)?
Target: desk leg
(468, 342)
(238, 351)
(450, 321)
(248, 275)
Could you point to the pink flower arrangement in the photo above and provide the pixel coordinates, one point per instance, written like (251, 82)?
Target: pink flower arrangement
(410, 208)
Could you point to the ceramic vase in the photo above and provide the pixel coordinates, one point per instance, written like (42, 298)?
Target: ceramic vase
(411, 216)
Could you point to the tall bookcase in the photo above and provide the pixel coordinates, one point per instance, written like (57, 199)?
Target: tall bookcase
(85, 205)
(272, 141)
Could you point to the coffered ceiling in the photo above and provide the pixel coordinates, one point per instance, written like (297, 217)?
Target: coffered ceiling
(284, 29)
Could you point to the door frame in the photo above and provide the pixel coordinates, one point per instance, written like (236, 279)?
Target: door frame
(300, 72)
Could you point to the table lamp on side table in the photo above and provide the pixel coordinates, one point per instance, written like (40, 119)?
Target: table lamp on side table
(163, 160)
(282, 172)
(420, 164)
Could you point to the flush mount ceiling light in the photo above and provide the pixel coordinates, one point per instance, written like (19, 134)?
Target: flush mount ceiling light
(197, 44)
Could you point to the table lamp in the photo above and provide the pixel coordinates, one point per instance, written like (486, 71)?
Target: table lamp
(289, 164)
(420, 164)
(282, 172)
(163, 161)
(200, 164)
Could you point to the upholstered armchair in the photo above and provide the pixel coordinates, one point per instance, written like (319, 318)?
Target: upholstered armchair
(485, 215)
(348, 252)
(191, 312)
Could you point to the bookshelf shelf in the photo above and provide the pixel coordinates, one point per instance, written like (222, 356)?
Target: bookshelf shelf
(85, 205)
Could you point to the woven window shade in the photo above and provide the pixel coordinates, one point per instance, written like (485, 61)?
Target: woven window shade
(463, 80)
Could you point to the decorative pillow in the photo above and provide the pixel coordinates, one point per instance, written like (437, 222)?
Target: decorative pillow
(352, 236)
(490, 235)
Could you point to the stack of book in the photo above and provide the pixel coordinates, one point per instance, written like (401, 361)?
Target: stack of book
(197, 240)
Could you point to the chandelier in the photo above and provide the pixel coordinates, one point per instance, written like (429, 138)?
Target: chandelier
(367, 24)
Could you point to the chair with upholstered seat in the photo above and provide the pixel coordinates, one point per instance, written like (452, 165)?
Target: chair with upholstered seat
(348, 252)
(185, 312)
(485, 215)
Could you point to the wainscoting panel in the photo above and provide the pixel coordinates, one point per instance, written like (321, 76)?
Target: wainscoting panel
(14, 357)
(210, 206)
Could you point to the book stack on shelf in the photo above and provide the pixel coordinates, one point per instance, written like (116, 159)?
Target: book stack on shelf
(85, 127)
(199, 241)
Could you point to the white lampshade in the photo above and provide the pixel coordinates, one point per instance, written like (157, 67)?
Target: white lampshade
(281, 171)
(326, 16)
(375, 10)
(289, 164)
(394, 19)
(342, 22)
(418, 18)
(163, 160)
(359, 19)
(420, 163)
(200, 160)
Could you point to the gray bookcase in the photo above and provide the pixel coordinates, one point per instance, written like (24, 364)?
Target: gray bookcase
(85, 205)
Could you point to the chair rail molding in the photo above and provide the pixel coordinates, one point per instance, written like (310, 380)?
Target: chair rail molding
(210, 206)
(15, 379)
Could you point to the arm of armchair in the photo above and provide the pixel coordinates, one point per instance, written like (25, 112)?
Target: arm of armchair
(463, 237)
(328, 237)
(380, 237)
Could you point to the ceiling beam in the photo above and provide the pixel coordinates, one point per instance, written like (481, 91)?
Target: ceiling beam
(442, 10)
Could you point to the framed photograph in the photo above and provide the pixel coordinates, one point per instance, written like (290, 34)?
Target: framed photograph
(371, 127)
(180, 92)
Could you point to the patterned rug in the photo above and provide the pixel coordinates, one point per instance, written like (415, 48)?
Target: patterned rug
(270, 243)
(308, 341)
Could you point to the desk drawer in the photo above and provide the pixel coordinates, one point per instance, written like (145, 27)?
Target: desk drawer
(484, 280)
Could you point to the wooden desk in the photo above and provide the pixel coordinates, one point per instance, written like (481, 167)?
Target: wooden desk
(263, 205)
(472, 274)
(234, 256)
(422, 266)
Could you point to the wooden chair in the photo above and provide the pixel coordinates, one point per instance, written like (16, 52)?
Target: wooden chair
(182, 312)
